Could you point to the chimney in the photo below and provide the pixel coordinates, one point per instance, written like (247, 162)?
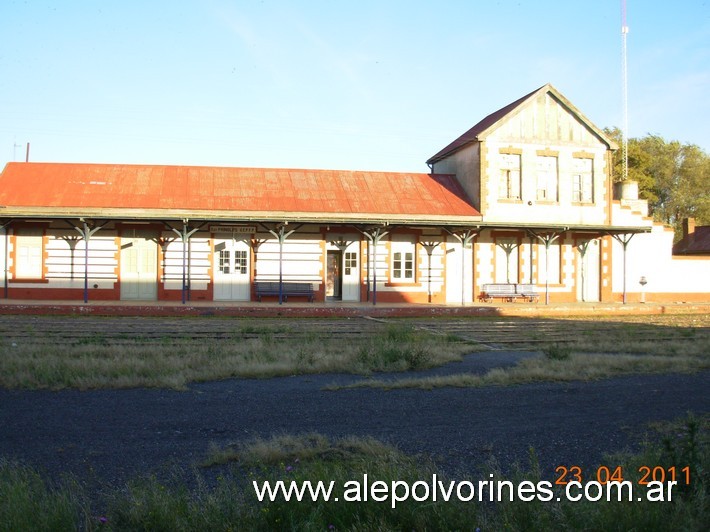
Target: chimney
(688, 226)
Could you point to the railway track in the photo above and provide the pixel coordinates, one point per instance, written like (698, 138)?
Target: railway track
(496, 333)
(516, 333)
(117, 330)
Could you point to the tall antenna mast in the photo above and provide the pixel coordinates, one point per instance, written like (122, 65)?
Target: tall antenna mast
(625, 90)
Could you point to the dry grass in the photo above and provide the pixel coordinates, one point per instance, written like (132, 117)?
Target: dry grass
(173, 365)
(591, 350)
(578, 367)
(576, 363)
(289, 448)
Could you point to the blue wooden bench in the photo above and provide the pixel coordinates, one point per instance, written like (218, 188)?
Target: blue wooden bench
(271, 288)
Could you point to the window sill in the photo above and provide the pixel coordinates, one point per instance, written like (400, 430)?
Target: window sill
(583, 204)
(29, 280)
(412, 284)
(510, 200)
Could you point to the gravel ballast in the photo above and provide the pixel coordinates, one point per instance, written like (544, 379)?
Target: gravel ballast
(111, 436)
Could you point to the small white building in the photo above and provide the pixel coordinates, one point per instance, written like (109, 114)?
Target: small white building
(523, 197)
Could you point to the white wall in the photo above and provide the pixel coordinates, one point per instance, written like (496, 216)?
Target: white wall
(458, 288)
(66, 268)
(302, 255)
(650, 255)
(198, 260)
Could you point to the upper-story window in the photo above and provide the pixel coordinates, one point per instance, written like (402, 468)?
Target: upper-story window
(547, 178)
(510, 176)
(582, 180)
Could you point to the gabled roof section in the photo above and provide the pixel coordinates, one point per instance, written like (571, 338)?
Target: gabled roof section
(489, 123)
(141, 191)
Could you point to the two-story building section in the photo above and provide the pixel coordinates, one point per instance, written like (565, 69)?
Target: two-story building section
(539, 172)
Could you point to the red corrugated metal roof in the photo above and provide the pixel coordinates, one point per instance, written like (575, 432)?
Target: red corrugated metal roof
(192, 188)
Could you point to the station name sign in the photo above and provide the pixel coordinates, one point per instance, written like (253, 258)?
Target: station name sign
(238, 229)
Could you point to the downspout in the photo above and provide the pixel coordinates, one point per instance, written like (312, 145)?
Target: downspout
(532, 242)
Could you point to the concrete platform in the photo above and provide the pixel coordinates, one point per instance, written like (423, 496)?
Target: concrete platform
(338, 309)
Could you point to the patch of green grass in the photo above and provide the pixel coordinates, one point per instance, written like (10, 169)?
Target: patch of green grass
(230, 503)
(557, 351)
(28, 503)
(300, 458)
(689, 508)
(260, 329)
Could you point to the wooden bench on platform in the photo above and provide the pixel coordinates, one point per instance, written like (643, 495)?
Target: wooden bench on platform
(508, 292)
(527, 291)
(271, 288)
(505, 291)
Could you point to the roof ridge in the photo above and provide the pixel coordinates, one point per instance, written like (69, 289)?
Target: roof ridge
(202, 167)
(489, 120)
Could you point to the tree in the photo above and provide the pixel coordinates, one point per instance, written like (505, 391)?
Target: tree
(639, 163)
(673, 177)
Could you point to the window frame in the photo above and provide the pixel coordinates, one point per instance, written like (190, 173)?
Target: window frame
(582, 181)
(403, 262)
(225, 261)
(350, 262)
(241, 260)
(547, 179)
(510, 177)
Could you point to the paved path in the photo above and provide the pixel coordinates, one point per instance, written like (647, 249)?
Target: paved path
(113, 435)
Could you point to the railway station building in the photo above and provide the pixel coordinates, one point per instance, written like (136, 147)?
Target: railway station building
(523, 198)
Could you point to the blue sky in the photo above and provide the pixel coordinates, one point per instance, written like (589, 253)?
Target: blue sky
(365, 85)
